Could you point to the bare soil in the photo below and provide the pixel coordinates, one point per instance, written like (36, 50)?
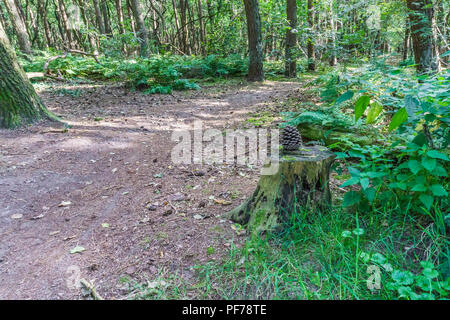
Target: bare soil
(108, 184)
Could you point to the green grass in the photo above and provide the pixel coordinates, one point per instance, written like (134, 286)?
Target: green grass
(321, 255)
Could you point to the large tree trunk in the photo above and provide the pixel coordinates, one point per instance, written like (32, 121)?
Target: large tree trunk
(142, 30)
(298, 179)
(19, 103)
(291, 39)
(421, 17)
(255, 68)
(310, 40)
(19, 26)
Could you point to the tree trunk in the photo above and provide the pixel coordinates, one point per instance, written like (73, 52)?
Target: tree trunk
(19, 103)
(65, 24)
(104, 11)
(291, 39)
(19, 26)
(202, 28)
(333, 56)
(142, 30)
(301, 179)
(421, 17)
(99, 18)
(184, 28)
(255, 68)
(310, 40)
(406, 40)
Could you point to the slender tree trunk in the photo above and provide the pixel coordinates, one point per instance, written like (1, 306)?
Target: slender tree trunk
(19, 26)
(255, 68)
(63, 15)
(333, 25)
(120, 22)
(291, 39)
(99, 18)
(310, 40)
(421, 17)
(202, 28)
(184, 28)
(19, 103)
(104, 11)
(42, 9)
(406, 39)
(142, 30)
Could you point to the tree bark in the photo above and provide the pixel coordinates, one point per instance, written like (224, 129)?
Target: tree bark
(291, 39)
(333, 25)
(99, 18)
(19, 26)
(142, 30)
(310, 40)
(255, 68)
(421, 17)
(299, 179)
(19, 103)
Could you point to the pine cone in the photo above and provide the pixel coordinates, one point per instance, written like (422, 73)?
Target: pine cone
(291, 139)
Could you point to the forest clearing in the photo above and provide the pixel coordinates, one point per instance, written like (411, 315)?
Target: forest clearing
(256, 149)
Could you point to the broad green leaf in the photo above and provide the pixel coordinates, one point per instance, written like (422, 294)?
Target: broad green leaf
(351, 198)
(426, 200)
(374, 110)
(438, 190)
(437, 155)
(370, 194)
(399, 117)
(419, 188)
(346, 96)
(429, 163)
(414, 166)
(350, 182)
(360, 106)
(439, 171)
(364, 183)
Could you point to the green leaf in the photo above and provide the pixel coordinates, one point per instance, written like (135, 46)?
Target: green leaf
(402, 277)
(346, 96)
(351, 198)
(350, 182)
(429, 163)
(364, 183)
(370, 194)
(439, 171)
(360, 106)
(437, 155)
(399, 117)
(426, 200)
(77, 249)
(419, 188)
(438, 190)
(358, 231)
(374, 110)
(414, 166)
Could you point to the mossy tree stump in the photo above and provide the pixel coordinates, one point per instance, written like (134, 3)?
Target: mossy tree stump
(300, 180)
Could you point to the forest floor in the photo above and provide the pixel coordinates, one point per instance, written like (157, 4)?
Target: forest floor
(107, 185)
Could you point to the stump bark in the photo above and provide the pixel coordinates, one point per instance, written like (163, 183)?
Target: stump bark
(300, 180)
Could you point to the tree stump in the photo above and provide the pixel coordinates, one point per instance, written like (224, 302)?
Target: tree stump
(301, 180)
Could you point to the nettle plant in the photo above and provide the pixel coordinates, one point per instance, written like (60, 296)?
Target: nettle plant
(411, 166)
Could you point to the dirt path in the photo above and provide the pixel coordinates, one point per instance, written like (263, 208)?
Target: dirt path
(134, 212)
